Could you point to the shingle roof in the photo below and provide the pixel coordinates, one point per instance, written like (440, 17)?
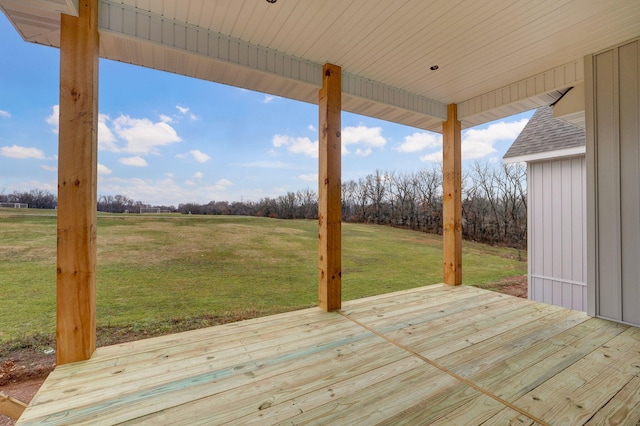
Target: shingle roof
(544, 133)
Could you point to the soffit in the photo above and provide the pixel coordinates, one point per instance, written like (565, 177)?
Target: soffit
(495, 58)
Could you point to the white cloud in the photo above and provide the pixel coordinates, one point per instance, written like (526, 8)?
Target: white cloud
(143, 136)
(136, 161)
(364, 152)
(5, 114)
(198, 175)
(106, 139)
(223, 183)
(297, 145)
(280, 140)
(167, 191)
(28, 185)
(434, 156)
(312, 128)
(478, 143)
(189, 182)
(185, 111)
(362, 137)
(310, 177)
(365, 137)
(268, 99)
(49, 168)
(21, 152)
(126, 134)
(419, 141)
(270, 165)
(103, 170)
(199, 156)
(54, 119)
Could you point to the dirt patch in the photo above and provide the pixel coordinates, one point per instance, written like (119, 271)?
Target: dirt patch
(514, 286)
(22, 374)
(23, 365)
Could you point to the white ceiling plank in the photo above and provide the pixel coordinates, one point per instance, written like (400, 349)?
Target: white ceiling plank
(491, 53)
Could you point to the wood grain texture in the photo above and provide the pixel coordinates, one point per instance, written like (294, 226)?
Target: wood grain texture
(329, 189)
(10, 406)
(467, 356)
(77, 185)
(452, 198)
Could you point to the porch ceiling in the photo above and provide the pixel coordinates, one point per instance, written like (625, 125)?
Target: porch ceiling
(494, 58)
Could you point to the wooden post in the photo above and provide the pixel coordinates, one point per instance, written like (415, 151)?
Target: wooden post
(452, 197)
(77, 185)
(330, 186)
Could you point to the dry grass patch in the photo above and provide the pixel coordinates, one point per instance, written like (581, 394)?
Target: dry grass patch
(154, 271)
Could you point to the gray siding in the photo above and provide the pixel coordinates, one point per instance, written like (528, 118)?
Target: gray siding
(613, 146)
(557, 232)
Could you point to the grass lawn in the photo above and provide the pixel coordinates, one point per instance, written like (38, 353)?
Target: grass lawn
(156, 271)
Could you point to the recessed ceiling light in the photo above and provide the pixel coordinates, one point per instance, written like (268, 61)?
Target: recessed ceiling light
(271, 1)
(432, 68)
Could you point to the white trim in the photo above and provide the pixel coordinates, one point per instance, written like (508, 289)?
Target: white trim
(522, 95)
(538, 156)
(558, 280)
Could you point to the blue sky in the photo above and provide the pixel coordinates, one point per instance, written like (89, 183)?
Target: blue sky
(169, 139)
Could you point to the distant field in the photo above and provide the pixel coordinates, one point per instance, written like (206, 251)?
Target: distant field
(154, 269)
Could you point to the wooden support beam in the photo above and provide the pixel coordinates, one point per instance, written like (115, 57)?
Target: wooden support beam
(452, 197)
(330, 185)
(11, 407)
(77, 185)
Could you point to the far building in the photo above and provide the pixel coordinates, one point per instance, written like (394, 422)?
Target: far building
(554, 151)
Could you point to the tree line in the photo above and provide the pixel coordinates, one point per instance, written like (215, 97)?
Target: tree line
(494, 202)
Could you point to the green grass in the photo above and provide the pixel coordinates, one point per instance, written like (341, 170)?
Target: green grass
(154, 271)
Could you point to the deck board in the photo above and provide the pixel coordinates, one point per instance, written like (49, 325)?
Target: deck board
(433, 355)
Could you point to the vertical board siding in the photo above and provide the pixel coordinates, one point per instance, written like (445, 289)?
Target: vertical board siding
(608, 179)
(557, 203)
(629, 75)
(578, 228)
(616, 173)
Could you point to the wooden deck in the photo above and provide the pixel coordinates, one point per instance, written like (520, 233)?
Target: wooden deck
(433, 355)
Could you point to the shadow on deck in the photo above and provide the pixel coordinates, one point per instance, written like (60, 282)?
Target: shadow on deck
(431, 355)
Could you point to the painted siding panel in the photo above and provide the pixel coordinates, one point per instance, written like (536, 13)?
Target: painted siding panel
(630, 180)
(556, 186)
(608, 180)
(615, 169)
(537, 219)
(547, 219)
(557, 203)
(578, 227)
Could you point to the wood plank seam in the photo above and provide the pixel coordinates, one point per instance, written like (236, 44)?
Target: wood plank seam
(447, 371)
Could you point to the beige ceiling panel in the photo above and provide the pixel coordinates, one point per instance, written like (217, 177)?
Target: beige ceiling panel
(490, 53)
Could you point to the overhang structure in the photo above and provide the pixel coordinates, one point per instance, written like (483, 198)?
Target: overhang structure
(493, 58)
